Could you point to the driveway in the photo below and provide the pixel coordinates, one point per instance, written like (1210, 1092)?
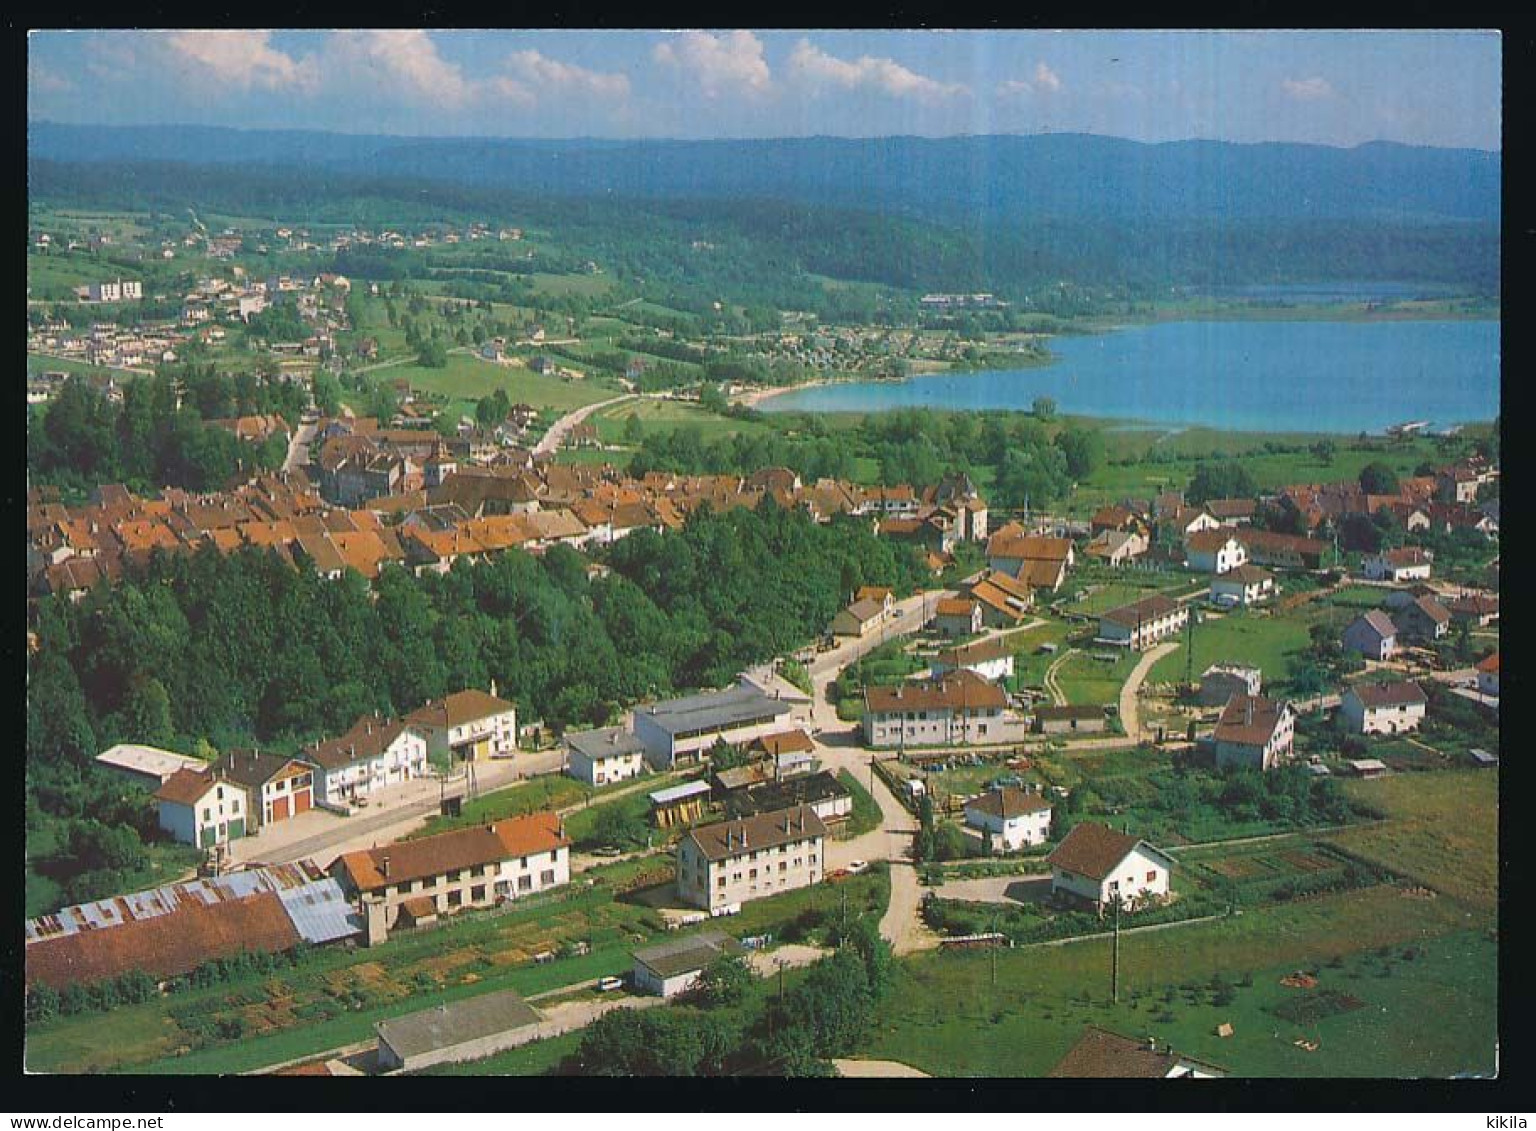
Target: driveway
(1130, 706)
(998, 889)
(298, 447)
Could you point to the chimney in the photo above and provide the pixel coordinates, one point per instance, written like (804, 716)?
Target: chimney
(1151, 1044)
(385, 865)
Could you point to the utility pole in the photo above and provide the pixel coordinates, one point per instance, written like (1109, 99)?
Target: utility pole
(1115, 967)
(993, 948)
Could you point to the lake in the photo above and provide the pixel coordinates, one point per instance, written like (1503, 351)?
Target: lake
(1344, 377)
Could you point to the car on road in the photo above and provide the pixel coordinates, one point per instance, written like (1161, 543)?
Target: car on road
(607, 985)
(857, 866)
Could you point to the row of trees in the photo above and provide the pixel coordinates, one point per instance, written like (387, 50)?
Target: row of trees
(244, 647)
(827, 1014)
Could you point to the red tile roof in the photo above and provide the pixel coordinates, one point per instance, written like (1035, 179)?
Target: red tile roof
(452, 851)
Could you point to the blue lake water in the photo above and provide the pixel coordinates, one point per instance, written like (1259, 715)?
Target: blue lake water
(1343, 377)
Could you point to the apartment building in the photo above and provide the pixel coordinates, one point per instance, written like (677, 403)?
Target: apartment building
(722, 866)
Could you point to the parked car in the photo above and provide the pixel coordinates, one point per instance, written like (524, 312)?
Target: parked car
(607, 985)
(857, 866)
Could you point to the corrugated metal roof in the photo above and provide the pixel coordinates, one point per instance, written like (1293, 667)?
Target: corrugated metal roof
(321, 912)
(117, 910)
(678, 792)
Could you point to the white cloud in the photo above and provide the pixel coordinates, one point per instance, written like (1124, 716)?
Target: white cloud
(1307, 90)
(244, 59)
(543, 72)
(1046, 79)
(816, 66)
(405, 61)
(721, 63)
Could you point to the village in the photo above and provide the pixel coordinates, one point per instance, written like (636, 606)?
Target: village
(958, 723)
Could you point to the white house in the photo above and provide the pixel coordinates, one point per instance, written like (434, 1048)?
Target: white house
(1410, 563)
(684, 729)
(1488, 675)
(1095, 864)
(603, 756)
(471, 726)
(1383, 708)
(1214, 551)
(201, 808)
(1255, 732)
(375, 753)
(1013, 818)
(1246, 585)
(959, 707)
(957, 616)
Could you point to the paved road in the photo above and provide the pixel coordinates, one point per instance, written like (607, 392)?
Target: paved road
(557, 431)
(997, 889)
(876, 1069)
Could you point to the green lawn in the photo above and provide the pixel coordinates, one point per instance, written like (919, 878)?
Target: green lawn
(947, 1017)
(547, 791)
(39, 363)
(1084, 679)
(1442, 830)
(1260, 640)
(581, 825)
(664, 416)
(866, 815)
(469, 377)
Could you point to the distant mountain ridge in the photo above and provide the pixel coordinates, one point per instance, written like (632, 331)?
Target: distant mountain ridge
(999, 180)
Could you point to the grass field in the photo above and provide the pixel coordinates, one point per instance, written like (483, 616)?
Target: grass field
(663, 416)
(945, 1015)
(1442, 830)
(1084, 679)
(38, 363)
(468, 377)
(866, 815)
(1263, 641)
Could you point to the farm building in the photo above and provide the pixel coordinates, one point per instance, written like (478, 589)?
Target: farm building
(827, 797)
(674, 967)
(171, 930)
(146, 765)
(1070, 718)
(456, 1031)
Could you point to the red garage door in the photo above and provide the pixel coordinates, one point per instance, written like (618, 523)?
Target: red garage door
(301, 801)
(279, 808)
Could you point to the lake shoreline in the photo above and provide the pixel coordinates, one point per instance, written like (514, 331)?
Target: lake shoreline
(1228, 375)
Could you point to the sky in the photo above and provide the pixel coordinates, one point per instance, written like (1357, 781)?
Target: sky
(1432, 88)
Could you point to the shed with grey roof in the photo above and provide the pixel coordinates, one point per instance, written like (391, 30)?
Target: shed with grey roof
(456, 1031)
(672, 968)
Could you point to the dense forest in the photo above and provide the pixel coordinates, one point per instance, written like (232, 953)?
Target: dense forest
(1025, 456)
(157, 436)
(778, 254)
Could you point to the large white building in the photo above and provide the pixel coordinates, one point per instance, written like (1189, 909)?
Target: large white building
(375, 753)
(958, 707)
(1142, 623)
(1096, 865)
(1214, 551)
(722, 866)
(468, 726)
(683, 730)
(470, 867)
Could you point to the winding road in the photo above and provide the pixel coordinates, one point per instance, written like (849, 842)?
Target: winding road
(559, 429)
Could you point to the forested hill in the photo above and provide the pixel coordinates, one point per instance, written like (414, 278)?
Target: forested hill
(990, 180)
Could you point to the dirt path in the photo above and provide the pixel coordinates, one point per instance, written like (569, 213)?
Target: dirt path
(876, 1069)
(1130, 705)
(1058, 696)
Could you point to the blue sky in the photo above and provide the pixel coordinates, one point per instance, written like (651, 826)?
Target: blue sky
(1333, 88)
